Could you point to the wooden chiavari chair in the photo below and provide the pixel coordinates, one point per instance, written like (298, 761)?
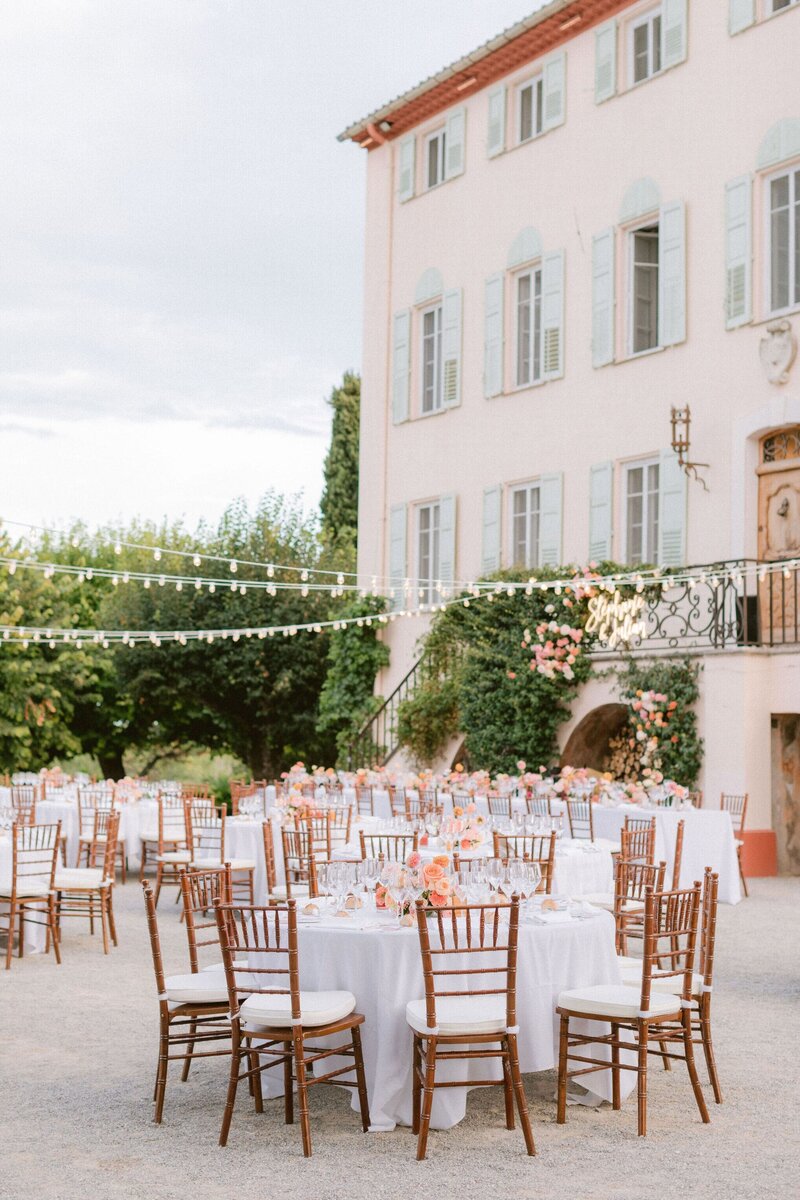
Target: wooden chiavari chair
(88, 891)
(298, 853)
(29, 893)
(23, 803)
(200, 887)
(630, 885)
(467, 1018)
(397, 800)
(638, 839)
(269, 856)
(581, 820)
(205, 830)
(92, 804)
(392, 847)
(423, 806)
(696, 799)
(646, 1012)
(500, 806)
(537, 848)
(275, 1019)
(365, 803)
(195, 791)
(330, 830)
(173, 844)
(537, 806)
(192, 1008)
(678, 856)
(737, 807)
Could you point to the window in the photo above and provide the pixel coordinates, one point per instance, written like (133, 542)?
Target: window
(432, 359)
(641, 512)
(428, 550)
(529, 109)
(784, 240)
(777, 5)
(434, 159)
(525, 520)
(644, 289)
(645, 47)
(529, 327)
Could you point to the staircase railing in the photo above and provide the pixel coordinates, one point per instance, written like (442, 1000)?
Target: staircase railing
(377, 740)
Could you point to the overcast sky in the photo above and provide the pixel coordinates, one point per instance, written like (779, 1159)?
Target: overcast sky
(181, 238)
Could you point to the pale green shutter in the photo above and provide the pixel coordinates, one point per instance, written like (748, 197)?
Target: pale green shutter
(401, 365)
(741, 15)
(601, 492)
(605, 62)
(738, 252)
(405, 168)
(550, 487)
(490, 546)
(397, 554)
(451, 347)
(553, 315)
(671, 511)
(554, 88)
(454, 143)
(447, 542)
(672, 275)
(674, 32)
(493, 336)
(603, 298)
(496, 133)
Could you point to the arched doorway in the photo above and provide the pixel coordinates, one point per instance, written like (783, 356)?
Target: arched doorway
(588, 743)
(779, 529)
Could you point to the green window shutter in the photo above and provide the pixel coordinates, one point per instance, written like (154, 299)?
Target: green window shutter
(454, 143)
(496, 133)
(550, 488)
(493, 336)
(741, 15)
(490, 546)
(671, 511)
(554, 91)
(672, 275)
(447, 541)
(601, 494)
(603, 298)
(605, 62)
(738, 251)
(397, 554)
(405, 168)
(401, 365)
(674, 32)
(553, 315)
(451, 347)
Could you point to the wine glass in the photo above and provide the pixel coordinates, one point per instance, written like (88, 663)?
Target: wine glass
(369, 872)
(495, 873)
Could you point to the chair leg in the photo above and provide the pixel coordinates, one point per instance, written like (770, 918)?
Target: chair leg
(361, 1079)
(508, 1088)
(159, 879)
(104, 923)
(143, 862)
(91, 915)
(302, 1092)
(427, 1099)
(708, 1051)
(522, 1103)
(666, 1060)
(187, 1062)
(692, 1066)
(111, 923)
(615, 1097)
(741, 871)
(21, 941)
(123, 862)
(161, 1075)
(642, 1078)
(288, 1087)
(12, 919)
(416, 1087)
(561, 1114)
(254, 1063)
(233, 1083)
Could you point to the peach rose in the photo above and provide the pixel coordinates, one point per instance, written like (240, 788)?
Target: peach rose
(442, 887)
(438, 901)
(442, 860)
(413, 860)
(432, 872)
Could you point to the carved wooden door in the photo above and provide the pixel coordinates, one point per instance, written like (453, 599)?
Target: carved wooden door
(779, 534)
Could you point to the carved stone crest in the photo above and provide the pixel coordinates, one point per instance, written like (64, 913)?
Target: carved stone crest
(778, 350)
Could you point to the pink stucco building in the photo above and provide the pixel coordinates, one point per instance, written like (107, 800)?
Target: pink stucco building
(591, 219)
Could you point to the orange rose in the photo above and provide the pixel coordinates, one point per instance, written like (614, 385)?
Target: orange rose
(442, 887)
(442, 860)
(438, 901)
(432, 872)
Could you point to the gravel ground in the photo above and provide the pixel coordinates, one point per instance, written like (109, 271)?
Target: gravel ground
(78, 1054)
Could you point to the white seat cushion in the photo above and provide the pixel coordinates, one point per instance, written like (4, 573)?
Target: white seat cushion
(460, 1014)
(298, 890)
(632, 977)
(235, 864)
(606, 844)
(627, 962)
(615, 1000)
(600, 900)
(71, 878)
(316, 1008)
(89, 837)
(175, 856)
(38, 885)
(206, 987)
(220, 967)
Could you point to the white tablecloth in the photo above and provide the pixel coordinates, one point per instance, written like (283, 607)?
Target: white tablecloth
(35, 935)
(382, 967)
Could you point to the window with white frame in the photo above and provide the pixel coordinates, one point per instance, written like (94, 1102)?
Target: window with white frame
(645, 46)
(528, 286)
(431, 356)
(783, 198)
(525, 525)
(428, 550)
(435, 158)
(644, 265)
(530, 116)
(778, 5)
(641, 512)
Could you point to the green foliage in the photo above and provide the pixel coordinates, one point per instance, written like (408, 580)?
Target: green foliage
(355, 655)
(680, 750)
(339, 504)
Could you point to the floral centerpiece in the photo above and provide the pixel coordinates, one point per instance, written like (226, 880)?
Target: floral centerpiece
(555, 649)
(437, 884)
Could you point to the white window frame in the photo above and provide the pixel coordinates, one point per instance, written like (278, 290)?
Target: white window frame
(437, 135)
(645, 18)
(436, 306)
(531, 560)
(536, 83)
(792, 170)
(426, 586)
(772, 11)
(627, 467)
(630, 235)
(533, 269)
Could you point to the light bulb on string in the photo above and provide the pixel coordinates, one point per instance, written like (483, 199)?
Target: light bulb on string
(197, 585)
(117, 548)
(304, 575)
(270, 571)
(212, 587)
(126, 577)
(162, 579)
(157, 555)
(12, 567)
(234, 565)
(146, 584)
(179, 586)
(196, 560)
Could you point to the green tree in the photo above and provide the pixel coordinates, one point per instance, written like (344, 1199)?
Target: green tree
(339, 504)
(355, 655)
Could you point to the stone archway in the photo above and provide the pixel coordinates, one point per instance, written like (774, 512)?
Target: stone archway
(587, 745)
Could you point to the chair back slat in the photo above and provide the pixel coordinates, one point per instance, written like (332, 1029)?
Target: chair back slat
(392, 847)
(34, 852)
(259, 951)
(737, 807)
(199, 889)
(581, 820)
(670, 937)
(204, 822)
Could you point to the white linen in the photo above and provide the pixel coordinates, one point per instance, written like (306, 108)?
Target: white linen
(34, 935)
